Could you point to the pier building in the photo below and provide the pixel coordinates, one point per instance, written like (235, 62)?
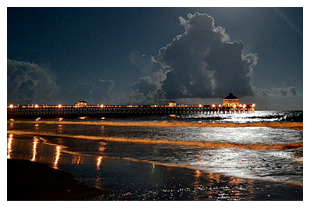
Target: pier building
(230, 101)
(81, 104)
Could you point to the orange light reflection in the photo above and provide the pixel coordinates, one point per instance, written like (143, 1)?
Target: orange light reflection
(59, 128)
(99, 159)
(101, 146)
(10, 146)
(57, 156)
(76, 159)
(34, 148)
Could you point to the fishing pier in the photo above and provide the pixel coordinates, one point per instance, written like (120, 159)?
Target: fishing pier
(81, 109)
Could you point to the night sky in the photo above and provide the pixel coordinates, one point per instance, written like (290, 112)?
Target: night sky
(155, 55)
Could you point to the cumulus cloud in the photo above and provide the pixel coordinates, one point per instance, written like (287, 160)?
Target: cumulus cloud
(288, 91)
(204, 63)
(200, 63)
(147, 90)
(29, 83)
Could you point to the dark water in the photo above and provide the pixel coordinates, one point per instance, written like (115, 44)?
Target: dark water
(235, 163)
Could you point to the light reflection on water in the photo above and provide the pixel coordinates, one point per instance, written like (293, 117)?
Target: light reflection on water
(57, 156)
(218, 173)
(34, 148)
(99, 160)
(9, 145)
(241, 135)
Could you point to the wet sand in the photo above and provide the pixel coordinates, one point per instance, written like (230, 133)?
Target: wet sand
(129, 180)
(31, 181)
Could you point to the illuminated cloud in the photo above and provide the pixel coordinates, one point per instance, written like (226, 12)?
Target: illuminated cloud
(204, 63)
(29, 83)
(147, 90)
(200, 63)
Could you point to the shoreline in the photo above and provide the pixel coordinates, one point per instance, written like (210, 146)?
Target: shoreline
(134, 181)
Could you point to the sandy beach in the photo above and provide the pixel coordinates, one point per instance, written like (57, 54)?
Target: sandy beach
(128, 180)
(31, 181)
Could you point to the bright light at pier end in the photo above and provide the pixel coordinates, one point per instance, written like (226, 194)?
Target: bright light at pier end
(36, 105)
(213, 105)
(59, 106)
(11, 105)
(200, 105)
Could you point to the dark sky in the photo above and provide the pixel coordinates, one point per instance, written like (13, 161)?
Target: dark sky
(153, 55)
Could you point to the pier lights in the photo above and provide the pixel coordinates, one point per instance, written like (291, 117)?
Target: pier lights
(240, 105)
(200, 105)
(101, 106)
(11, 106)
(253, 105)
(220, 105)
(235, 106)
(244, 105)
(213, 105)
(59, 106)
(36, 105)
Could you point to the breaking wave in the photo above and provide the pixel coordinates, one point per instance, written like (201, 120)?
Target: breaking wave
(289, 125)
(206, 144)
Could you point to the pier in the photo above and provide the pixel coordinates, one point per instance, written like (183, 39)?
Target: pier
(81, 109)
(53, 111)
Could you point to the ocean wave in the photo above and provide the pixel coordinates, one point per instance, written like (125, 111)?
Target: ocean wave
(206, 144)
(289, 125)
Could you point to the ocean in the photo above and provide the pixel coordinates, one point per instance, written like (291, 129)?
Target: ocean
(199, 157)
